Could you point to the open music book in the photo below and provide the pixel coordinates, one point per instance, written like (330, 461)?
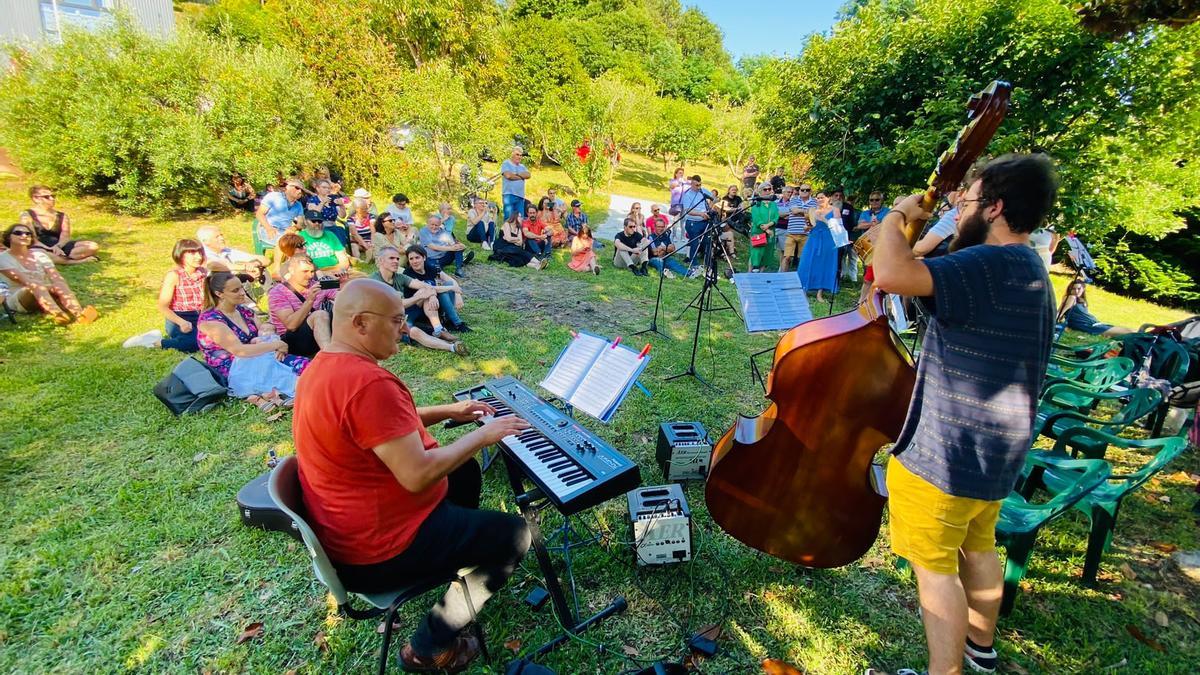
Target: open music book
(594, 374)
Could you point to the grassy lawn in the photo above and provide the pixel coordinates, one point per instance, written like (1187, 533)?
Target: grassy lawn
(122, 548)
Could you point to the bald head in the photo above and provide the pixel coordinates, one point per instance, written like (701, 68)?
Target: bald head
(368, 317)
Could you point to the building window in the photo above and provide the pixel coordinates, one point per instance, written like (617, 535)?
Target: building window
(86, 14)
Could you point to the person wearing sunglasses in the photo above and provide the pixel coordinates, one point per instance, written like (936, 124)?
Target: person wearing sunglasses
(52, 230)
(40, 286)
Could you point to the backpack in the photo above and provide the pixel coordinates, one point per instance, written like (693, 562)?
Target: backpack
(190, 387)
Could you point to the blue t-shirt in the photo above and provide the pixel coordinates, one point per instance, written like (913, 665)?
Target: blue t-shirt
(280, 213)
(512, 187)
(983, 358)
(574, 224)
(442, 238)
(693, 203)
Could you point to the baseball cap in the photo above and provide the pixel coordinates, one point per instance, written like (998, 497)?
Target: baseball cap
(576, 202)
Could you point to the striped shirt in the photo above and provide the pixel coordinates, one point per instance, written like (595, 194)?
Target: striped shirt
(797, 222)
(983, 358)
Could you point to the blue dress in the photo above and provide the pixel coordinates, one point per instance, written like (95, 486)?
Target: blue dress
(818, 261)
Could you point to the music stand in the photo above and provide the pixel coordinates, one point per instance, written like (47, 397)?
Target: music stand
(772, 301)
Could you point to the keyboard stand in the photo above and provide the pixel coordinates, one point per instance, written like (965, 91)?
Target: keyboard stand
(530, 501)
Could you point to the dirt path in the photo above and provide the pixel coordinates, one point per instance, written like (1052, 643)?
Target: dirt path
(552, 298)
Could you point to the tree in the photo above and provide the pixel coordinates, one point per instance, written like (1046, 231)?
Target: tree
(1111, 17)
(682, 132)
(877, 100)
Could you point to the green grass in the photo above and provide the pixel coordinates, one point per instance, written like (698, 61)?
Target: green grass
(122, 549)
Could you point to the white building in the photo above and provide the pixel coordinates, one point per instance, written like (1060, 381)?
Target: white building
(39, 20)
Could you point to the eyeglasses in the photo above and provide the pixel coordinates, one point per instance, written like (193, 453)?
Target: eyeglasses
(981, 200)
(50, 196)
(806, 189)
(398, 320)
(876, 200)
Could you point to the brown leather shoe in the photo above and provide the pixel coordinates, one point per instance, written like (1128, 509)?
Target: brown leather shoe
(453, 660)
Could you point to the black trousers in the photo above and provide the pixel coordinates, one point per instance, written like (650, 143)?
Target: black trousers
(455, 535)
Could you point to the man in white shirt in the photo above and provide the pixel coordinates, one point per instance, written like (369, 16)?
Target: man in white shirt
(216, 250)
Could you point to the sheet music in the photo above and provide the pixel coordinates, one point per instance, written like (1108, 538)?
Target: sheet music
(606, 381)
(575, 361)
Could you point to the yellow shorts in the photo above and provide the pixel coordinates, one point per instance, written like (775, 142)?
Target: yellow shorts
(793, 245)
(929, 526)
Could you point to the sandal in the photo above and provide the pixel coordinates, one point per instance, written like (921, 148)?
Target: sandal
(88, 315)
(263, 404)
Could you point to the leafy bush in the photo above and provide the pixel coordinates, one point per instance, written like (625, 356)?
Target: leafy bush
(158, 123)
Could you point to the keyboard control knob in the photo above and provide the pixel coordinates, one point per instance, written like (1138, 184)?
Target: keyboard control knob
(562, 424)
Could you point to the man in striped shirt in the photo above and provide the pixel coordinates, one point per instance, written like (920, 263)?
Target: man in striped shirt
(796, 210)
(970, 421)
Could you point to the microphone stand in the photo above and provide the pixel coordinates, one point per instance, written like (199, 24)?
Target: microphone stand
(658, 297)
(704, 301)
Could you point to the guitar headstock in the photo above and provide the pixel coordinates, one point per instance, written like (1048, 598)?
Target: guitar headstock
(985, 112)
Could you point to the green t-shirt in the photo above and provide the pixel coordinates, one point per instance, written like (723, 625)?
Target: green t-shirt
(400, 280)
(324, 249)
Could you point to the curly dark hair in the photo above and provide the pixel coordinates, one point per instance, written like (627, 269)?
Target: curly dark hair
(1026, 185)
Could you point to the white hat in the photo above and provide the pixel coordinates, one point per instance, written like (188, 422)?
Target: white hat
(361, 193)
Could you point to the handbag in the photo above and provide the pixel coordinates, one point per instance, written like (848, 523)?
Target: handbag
(675, 209)
(758, 240)
(190, 387)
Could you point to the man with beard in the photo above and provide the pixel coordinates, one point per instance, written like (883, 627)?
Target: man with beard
(970, 421)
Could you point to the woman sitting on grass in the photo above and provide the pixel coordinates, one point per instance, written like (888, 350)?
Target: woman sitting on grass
(390, 233)
(289, 246)
(1074, 311)
(510, 248)
(230, 341)
(180, 300)
(52, 230)
(583, 258)
(449, 293)
(39, 286)
(551, 222)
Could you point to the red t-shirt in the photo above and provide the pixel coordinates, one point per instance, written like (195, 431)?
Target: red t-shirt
(657, 223)
(534, 225)
(347, 404)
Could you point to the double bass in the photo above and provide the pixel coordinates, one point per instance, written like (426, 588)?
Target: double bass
(797, 482)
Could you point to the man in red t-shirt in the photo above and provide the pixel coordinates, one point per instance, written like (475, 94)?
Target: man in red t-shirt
(386, 502)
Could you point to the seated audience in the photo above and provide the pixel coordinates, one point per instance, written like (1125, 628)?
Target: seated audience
(179, 300)
(510, 247)
(662, 254)
(575, 220)
(361, 225)
(399, 209)
(323, 246)
(278, 210)
(52, 230)
(229, 340)
(289, 245)
(551, 223)
(387, 503)
(388, 234)
(449, 220)
(1073, 310)
(218, 254)
(658, 222)
(241, 194)
(449, 293)
(324, 202)
(729, 205)
(631, 248)
(37, 284)
(481, 219)
(537, 239)
(639, 219)
(443, 249)
(555, 201)
(583, 257)
(420, 304)
(299, 308)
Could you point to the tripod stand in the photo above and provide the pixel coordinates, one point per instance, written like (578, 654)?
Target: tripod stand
(704, 300)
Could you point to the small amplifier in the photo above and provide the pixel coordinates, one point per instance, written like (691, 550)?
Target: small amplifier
(684, 451)
(662, 525)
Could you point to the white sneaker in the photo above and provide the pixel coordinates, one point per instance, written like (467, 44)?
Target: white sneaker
(668, 274)
(148, 339)
(487, 246)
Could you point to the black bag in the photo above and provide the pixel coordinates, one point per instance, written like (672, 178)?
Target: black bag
(257, 509)
(191, 387)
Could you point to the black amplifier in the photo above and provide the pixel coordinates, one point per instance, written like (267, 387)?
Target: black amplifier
(683, 451)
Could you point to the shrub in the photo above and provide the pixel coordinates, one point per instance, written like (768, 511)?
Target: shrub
(159, 124)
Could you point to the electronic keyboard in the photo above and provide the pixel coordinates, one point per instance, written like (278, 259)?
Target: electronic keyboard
(571, 466)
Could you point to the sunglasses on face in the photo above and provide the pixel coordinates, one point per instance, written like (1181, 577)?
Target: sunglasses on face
(22, 233)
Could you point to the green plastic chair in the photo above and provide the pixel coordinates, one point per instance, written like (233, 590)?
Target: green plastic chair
(1103, 504)
(1086, 351)
(1097, 378)
(260, 247)
(1052, 420)
(284, 488)
(1020, 520)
